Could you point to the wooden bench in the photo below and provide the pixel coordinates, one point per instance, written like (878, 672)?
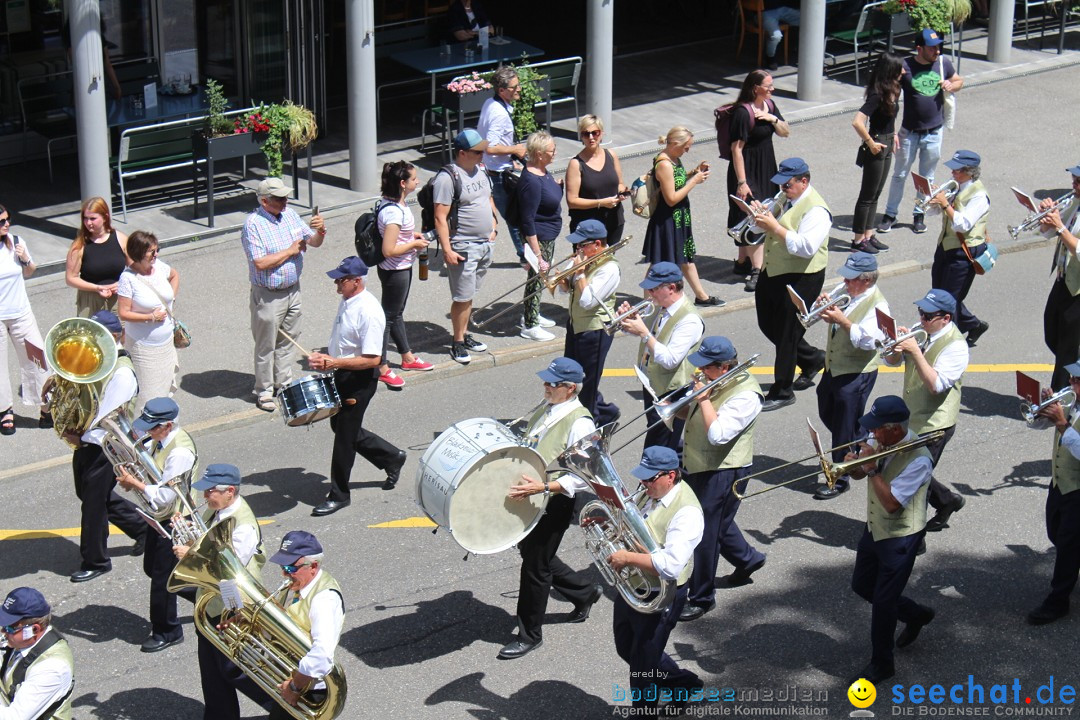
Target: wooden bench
(562, 81)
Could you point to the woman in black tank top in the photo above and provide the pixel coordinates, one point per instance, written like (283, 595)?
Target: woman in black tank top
(594, 193)
(96, 259)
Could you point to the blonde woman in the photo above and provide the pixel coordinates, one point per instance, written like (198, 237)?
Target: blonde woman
(539, 197)
(95, 259)
(594, 182)
(670, 236)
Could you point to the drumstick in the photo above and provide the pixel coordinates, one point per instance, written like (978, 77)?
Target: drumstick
(298, 345)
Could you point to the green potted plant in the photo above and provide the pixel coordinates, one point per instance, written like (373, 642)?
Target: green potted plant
(936, 14)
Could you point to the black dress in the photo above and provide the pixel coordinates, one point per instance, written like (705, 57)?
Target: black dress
(759, 160)
(597, 184)
(670, 236)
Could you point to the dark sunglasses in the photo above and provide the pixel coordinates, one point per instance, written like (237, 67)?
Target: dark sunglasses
(293, 569)
(10, 629)
(656, 477)
(930, 316)
(591, 133)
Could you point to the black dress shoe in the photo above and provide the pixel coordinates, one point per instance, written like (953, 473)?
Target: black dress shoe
(393, 471)
(940, 521)
(805, 381)
(1043, 615)
(153, 644)
(139, 547)
(84, 575)
(581, 614)
(974, 335)
(741, 576)
(911, 631)
(518, 648)
(828, 493)
(693, 612)
(329, 507)
(776, 403)
(874, 673)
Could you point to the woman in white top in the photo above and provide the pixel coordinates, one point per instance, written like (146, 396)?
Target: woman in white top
(17, 324)
(146, 291)
(400, 243)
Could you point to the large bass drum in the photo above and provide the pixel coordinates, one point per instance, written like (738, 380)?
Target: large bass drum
(463, 480)
(309, 399)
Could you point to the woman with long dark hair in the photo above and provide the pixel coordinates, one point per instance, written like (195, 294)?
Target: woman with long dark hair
(96, 258)
(875, 124)
(754, 121)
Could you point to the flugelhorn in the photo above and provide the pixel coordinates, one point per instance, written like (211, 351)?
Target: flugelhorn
(950, 189)
(1031, 222)
(1030, 412)
(643, 309)
(838, 298)
(888, 346)
(741, 229)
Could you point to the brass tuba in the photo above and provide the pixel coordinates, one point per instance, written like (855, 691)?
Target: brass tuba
(613, 522)
(82, 353)
(260, 637)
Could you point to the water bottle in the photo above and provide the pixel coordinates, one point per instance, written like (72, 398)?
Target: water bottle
(422, 273)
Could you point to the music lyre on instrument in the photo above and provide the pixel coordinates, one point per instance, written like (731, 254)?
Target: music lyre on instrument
(888, 326)
(1032, 403)
(1035, 216)
(741, 231)
(923, 187)
(837, 298)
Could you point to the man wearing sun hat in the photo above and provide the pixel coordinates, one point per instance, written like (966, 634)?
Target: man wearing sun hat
(851, 357)
(37, 674)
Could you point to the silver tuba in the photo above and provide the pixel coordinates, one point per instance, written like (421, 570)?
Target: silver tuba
(614, 523)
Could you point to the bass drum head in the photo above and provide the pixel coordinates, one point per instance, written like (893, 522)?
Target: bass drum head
(483, 520)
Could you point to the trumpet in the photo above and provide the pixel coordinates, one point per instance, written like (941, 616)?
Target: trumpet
(643, 309)
(888, 347)
(1030, 412)
(1032, 221)
(741, 229)
(838, 298)
(950, 189)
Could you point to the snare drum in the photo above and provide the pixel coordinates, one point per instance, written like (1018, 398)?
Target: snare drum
(309, 399)
(463, 480)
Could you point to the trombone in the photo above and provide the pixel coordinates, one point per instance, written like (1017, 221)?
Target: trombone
(950, 189)
(644, 309)
(838, 298)
(1033, 219)
(888, 347)
(550, 281)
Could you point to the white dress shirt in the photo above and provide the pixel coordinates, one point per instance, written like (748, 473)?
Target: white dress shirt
(602, 285)
(734, 416)
(122, 386)
(812, 231)
(245, 539)
(327, 616)
(684, 336)
(865, 334)
(951, 362)
(496, 125)
(683, 535)
(1070, 438)
(977, 206)
(583, 426)
(358, 327)
(46, 682)
(178, 462)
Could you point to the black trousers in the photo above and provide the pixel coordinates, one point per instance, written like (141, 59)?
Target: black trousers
(953, 272)
(1061, 330)
(590, 348)
(350, 438)
(777, 321)
(841, 401)
(939, 495)
(94, 486)
(395, 293)
(1063, 529)
(640, 640)
(881, 573)
(722, 537)
(875, 172)
(158, 564)
(221, 678)
(542, 570)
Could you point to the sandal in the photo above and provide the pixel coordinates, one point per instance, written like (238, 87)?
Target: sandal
(266, 402)
(7, 422)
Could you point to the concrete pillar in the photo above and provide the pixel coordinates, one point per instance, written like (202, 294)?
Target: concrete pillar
(999, 43)
(90, 86)
(360, 55)
(598, 60)
(811, 49)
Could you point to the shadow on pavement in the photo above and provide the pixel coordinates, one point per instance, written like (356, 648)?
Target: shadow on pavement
(219, 383)
(103, 623)
(30, 553)
(158, 703)
(539, 699)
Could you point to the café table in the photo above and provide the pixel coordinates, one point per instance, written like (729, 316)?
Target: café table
(454, 58)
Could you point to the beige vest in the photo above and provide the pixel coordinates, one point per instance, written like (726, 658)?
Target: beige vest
(1072, 265)
(977, 235)
(551, 442)
(592, 319)
(300, 610)
(244, 516)
(929, 411)
(181, 439)
(700, 455)
(843, 358)
(778, 261)
(906, 520)
(661, 515)
(1065, 469)
(662, 379)
(58, 650)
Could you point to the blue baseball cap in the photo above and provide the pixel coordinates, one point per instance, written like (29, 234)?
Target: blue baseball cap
(656, 459)
(586, 230)
(792, 167)
(938, 301)
(218, 474)
(1075, 170)
(469, 139)
(23, 602)
(109, 320)
(886, 409)
(351, 266)
(1073, 369)
(714, 349)
(156, 412)
(562, 369)
(856, 264)
(295, 545)
(963, 159)
(928, 37)
(661, 273)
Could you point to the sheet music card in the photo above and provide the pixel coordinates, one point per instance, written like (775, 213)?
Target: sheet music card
(1028, 388)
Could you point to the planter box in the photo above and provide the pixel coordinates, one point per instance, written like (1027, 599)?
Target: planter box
(895, 24)
(226, 146)
(462, 104)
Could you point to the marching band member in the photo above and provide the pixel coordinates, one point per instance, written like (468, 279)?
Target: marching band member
(592, 301)
(94, 477)
(1061, 318)
(896, 489)
(675, 519)
(315, 603)
(38, 671)
(1063, 505)
(177, 460)
(354, 354)
(851, 357)
(673, 333)
(220, 677)
(932, 382)
(554, 427)
(796, 252)
(963, 237)
(718, 448)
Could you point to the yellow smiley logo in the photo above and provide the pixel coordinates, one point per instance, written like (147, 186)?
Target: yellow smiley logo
(862, 693)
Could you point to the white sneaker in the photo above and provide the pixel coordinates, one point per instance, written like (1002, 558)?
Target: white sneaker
(545, 322)
(537, 333)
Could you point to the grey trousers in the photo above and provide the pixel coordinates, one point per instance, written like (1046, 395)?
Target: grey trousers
(270, 310)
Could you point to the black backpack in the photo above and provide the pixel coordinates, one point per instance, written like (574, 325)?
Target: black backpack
(510, 181)
(368, 240)
(426, 199)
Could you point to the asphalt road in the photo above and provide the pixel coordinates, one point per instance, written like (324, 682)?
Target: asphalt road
(423, 625)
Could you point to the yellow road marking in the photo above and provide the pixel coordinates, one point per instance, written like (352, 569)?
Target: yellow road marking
(65, 532)
(412, 522)
(975, 368)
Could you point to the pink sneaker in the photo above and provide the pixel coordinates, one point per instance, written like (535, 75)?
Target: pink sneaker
(392, 380)
(417, 364)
